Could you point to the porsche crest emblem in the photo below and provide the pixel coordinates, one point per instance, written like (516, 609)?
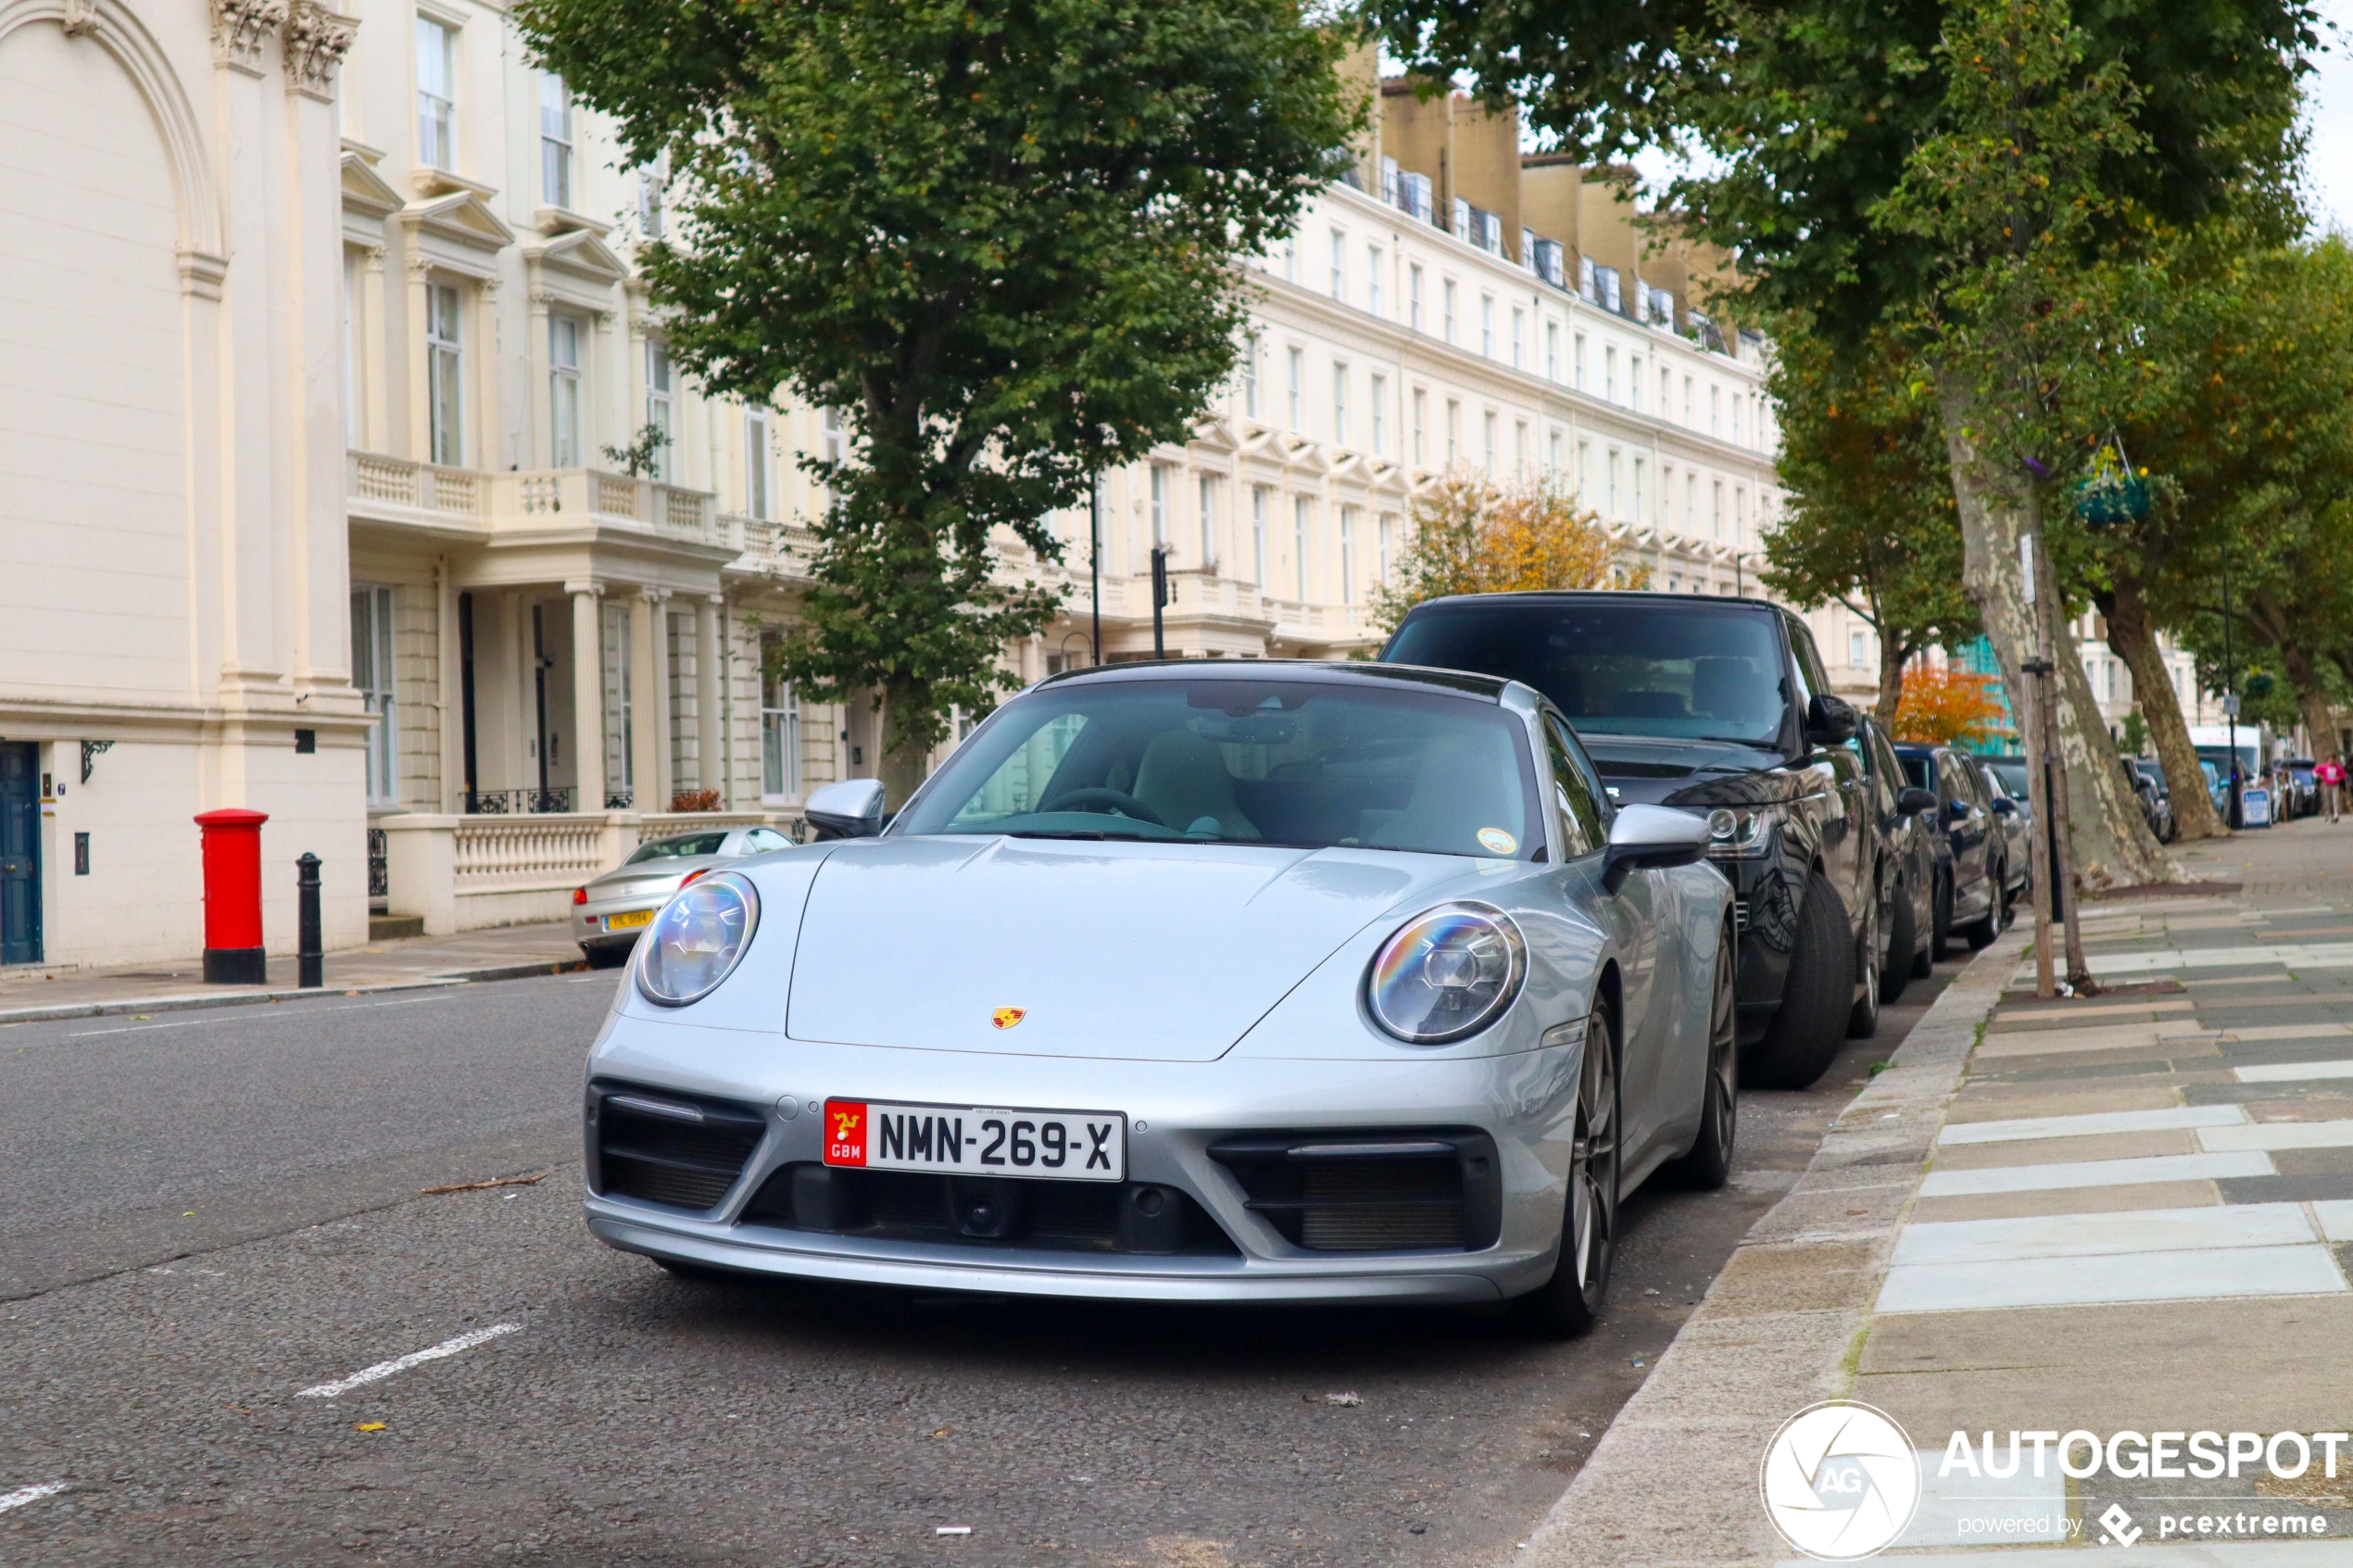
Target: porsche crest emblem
(1005, 1018)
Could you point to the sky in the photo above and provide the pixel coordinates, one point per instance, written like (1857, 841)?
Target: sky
(2329, 119)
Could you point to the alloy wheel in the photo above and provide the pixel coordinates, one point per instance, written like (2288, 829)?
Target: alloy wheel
(1723, 1056)
(1593, 1161)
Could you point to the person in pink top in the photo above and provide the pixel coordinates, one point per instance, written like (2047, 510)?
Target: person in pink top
(2330, 775)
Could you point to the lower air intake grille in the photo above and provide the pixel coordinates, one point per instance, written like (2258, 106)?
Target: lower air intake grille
(1393, 1190)
(668, 1148)
(1137, 1217)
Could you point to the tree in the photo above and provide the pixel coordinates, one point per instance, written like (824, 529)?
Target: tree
(1814, 114)
(1943, 706)
(1002, 238)
(1473, 535)
(1868, 520)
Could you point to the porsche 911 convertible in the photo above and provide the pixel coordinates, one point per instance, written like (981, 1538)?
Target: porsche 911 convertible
(1187, 981)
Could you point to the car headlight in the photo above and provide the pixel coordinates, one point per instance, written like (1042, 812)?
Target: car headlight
(1445, 974)
(1735, 835)
(697, 939)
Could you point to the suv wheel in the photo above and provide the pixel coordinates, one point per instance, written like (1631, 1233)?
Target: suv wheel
(1862, 1019)
(1903, 946)
(1981, 933)
(1939, 930)
(1806, 1033)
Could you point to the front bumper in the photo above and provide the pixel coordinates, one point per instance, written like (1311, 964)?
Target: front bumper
(1176, 1111)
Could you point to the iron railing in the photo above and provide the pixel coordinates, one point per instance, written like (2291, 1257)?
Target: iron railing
(517, 802)
(379, 864)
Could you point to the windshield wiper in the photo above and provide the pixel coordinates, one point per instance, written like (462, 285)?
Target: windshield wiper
(1088, 833)
(1741, 740)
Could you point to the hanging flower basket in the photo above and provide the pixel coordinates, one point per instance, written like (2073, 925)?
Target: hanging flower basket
(2112, 492)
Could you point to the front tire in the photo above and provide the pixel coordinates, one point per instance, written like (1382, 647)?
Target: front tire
(1903, 943)
(1980, 933)
(1709, 1163)
(1862, 1020)
(1569, 1303)
(1939, 931)
(1808, 1029)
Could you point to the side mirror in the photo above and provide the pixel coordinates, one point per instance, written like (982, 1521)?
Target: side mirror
(1829, 720)
(850, 808)
(1958, 810)
(2004, 807)
(1643, 837)
(1912, 800)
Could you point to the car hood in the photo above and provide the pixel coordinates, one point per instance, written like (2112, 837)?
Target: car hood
(1663, 770)
(1161, 953)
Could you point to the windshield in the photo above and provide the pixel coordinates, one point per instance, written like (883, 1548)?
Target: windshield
(2012, 774)
(1302, 764)
(673, 848)
(1675, 669)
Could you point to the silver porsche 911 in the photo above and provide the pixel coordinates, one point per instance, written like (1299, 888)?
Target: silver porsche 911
(1189, 981)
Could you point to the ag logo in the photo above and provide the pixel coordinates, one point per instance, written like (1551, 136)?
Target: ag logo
(1005, 1018)
(1840, 1480)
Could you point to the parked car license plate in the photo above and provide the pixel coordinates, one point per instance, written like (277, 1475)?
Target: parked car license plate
(1079, 1146)
(630, 920)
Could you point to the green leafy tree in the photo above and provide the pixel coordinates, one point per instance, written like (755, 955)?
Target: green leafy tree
(1002, 238)
(1869, 520)
(1906, 168)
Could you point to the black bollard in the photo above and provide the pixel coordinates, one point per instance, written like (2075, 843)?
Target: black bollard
(309, 960)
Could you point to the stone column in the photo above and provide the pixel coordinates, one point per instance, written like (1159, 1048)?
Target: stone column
(420, 273)
(447, 650)
(587, 696)
(649, 694)
(376, 333)
(708, 772)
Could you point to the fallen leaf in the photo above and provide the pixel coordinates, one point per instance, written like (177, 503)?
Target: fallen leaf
(369, 1426)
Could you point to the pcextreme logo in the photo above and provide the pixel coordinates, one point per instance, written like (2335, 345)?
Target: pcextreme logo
(1840, 1480)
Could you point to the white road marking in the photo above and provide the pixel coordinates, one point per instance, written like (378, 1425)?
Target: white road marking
(2134, 1276)
(2095, 1174)
(24, 1495)
(2293, 1071)
(2017, 1129)
(2277, 1135)
(243, 1016)
(402, 1363)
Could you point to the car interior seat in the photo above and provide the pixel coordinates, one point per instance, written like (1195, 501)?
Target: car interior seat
(1183, 778)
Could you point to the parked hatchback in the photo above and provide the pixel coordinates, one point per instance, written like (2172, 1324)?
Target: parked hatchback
(615, 908)
(1719, 706)
(1974, 886)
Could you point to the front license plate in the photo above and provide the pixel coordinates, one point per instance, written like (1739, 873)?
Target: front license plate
(629, 922)
(1072, 1146)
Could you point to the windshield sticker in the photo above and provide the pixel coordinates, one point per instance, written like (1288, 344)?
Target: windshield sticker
(1497, 841)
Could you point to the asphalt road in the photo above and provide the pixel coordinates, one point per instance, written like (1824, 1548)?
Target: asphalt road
(206, 1214)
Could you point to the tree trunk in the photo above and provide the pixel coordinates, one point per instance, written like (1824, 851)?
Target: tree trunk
(2311, 699)
(2130, 634)
(1891, 683)
(2112, 846)
(903, 763)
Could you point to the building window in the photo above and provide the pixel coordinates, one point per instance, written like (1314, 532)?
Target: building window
(1446, 313)
(372, 675)
(1687, 401)
(564, 391)
(1609, 373)
(555, 140)
(1552, 351)
(660, 408)
(1715, 411)
(1740, 516)
(1340, 404)
(1691, 502)
(1453, 432)
(1519, 450)
(1613, 483)
(1487, 430)
(1250, 378)
(1736, 419)
(1208, 522)
(1519, 319)
(1640, 516)
(1579, 371)
(779, 729)
(436, 94)
(1380, 416)
(621, 710)
(1159, 503)
(1487, 325)
(1634, 383)
(1585, 473)
(1716, 523)
(1382, 531)
(1290, 260)
(1372, 278)
(1298, 541)
(1421, 413)
(1339, 265)
(1298, 386)
(1414, 296)
(829, 435)
(1666, 385)
(1854, 648)
(756, 459)
(445, 376)
(1553, 458)
(1258, 534)
(653, 197)
(1348, 564)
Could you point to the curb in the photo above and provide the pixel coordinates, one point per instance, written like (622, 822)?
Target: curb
(195, 1000)
(1673, 1480)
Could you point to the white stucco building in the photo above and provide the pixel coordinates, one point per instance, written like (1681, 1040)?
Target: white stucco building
(323, 332)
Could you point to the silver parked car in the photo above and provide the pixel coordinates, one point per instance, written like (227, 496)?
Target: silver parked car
(615, 910)
(1187, 981)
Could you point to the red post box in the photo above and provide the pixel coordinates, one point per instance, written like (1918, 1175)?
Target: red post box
(233, 951)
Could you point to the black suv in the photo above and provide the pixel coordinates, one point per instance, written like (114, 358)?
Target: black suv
(1721, 707)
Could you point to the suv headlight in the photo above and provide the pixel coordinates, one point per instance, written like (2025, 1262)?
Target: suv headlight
(1738, 834)
(1447, 973)
(697, 939)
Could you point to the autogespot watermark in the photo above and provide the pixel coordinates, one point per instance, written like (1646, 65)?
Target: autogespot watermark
(1841, 1481)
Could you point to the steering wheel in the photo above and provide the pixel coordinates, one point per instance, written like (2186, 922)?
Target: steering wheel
(1103, 799)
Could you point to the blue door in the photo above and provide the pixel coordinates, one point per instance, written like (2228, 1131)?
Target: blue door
(20, 853)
